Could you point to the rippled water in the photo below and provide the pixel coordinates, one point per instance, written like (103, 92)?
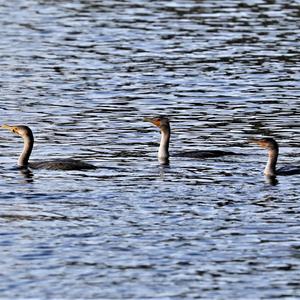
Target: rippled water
(82, 75)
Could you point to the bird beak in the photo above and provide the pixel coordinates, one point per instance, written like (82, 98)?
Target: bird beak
(258, 142)
(253, 141)
(155, 121)
(11, 128)
(7, 127)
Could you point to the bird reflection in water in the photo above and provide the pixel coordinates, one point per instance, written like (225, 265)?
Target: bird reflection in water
(27, 174)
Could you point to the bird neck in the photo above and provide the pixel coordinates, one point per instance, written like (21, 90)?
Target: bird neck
(163, 151)
(270, 169)
(24, 157)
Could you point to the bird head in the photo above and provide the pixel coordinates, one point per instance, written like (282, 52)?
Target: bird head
(20, 130)
(160, 121)
(266, 143)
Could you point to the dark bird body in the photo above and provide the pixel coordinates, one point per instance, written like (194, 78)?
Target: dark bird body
(58, 164)
(163, 152)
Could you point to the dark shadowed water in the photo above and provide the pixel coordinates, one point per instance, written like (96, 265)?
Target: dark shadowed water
(82, 75)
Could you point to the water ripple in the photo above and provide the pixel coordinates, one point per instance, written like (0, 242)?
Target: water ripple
(83, 75)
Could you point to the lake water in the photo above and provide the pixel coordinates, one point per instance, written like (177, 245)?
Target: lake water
(82, 75)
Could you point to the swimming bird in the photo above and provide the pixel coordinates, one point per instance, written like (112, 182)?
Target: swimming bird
(59, 164)
(163, 151)
(273, 151)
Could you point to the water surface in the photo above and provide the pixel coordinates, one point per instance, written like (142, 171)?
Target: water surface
(82, 75)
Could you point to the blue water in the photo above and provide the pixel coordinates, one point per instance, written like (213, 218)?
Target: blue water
(82, 75)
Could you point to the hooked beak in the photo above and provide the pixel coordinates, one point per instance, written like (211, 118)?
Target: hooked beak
(258, 142)
(10, 128)
(253, 141)
(5, 126)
